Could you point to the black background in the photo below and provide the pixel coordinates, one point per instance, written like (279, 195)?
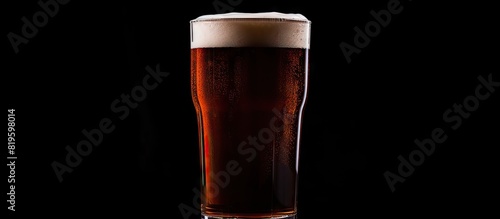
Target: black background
(359, 117)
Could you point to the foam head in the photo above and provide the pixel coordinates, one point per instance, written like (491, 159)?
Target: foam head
(267, 29)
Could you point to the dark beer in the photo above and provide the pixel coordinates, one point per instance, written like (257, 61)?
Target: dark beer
(249, 102)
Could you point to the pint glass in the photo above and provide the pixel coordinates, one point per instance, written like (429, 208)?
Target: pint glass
(249, 78)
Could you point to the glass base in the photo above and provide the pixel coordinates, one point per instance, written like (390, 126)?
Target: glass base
(294, 216)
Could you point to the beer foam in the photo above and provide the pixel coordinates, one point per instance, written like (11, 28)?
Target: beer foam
(266, 29)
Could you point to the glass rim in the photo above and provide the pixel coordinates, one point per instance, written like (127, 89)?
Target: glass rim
(251, 19)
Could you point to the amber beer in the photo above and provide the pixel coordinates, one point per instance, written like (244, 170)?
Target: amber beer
(249, 84)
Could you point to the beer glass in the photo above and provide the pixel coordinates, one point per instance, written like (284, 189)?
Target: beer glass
(249, 77)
